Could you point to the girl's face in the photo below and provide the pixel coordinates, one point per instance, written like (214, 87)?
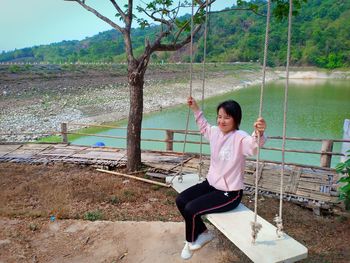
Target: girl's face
(225, 122)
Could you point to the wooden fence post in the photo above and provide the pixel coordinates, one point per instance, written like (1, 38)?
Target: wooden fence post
(64, 132)
(346, 136)
(326, 159)
(169, 140)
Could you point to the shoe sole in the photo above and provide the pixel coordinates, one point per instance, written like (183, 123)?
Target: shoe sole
(194, 249)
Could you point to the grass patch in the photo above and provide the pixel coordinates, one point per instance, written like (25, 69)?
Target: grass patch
(156, 187)
(93, 215)
(129, 195)
(171, 193)
(19, 213)
(72, 137)
(114, 200)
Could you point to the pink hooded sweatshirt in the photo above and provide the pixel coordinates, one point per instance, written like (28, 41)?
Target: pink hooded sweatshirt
(228, 154)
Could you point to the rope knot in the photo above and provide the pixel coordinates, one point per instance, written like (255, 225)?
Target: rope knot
(180, 178)
(255, 230)
(200, 170)
(279, 225)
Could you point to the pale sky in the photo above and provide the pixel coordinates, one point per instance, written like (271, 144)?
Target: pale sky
(26, 23)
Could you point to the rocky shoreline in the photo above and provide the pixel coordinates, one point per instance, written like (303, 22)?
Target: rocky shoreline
(35, 107)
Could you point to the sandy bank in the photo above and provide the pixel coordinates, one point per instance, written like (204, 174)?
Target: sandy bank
(314, 74)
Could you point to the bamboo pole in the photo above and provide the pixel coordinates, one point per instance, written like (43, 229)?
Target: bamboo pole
(296, 164)
(346, 136)
(304, 151)
(326, 159)
(97, 135)
(177, 165)
(169, 140)
(64, 132)
(124, 138)
(134, 177)
(306, 139)
(124, 128)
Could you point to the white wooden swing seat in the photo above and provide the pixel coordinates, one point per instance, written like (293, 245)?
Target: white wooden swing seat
(235, 225)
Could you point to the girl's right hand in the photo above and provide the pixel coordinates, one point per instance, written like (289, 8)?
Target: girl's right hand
(191, 102)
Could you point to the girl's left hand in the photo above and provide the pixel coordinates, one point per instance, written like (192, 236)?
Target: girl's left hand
(260, 126)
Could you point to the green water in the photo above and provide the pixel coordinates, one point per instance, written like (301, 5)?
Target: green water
(316, 109)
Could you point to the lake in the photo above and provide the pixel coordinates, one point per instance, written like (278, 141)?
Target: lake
(317, 108)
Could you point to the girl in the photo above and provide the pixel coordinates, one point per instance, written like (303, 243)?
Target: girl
(222, 190)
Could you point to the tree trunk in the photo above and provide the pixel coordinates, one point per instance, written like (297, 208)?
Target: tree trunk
(135, 81)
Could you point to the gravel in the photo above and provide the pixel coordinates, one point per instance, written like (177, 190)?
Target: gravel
(33, 108)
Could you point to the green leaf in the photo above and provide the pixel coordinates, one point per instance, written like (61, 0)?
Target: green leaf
(151, 6)
(345, 188)
(241, 3)
(344, 180)
(254, 7)
(199, 18)
(347, 162)
(143, 23)
(182, 23)
(340, 167)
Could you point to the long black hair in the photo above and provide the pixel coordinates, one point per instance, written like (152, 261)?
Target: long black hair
(233, 109)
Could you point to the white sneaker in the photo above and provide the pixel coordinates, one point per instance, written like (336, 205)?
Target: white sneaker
(201, 240)
(186, 253)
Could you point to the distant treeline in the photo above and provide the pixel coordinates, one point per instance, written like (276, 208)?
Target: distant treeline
(320, 37)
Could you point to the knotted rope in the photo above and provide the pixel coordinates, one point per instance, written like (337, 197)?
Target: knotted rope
(255, 225)
(278, 218)
(200, 172)
(180, 175)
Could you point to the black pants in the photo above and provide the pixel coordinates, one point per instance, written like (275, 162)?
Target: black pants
(202, 199)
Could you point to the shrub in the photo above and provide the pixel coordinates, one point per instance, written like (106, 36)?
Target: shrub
(344, 168)
(14, 69)
(93, 215)
(114, 200)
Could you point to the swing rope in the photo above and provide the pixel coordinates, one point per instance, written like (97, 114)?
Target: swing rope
(255, 226)
(200, 174)
(180, 173)
(278, 218)
(180, 178)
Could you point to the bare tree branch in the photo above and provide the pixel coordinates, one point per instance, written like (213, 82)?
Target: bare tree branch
(96, 13)
(127, 35)
(202, 6)
(199, 2)
(157, 46)
(130, 5)
(180, 31)
(120, 11)
(160, 20)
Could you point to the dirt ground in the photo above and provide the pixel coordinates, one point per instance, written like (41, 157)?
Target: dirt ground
(47, 214)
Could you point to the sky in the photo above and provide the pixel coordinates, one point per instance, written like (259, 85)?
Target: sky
(26, 23)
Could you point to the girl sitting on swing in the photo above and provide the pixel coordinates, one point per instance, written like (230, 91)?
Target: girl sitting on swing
(223, 188)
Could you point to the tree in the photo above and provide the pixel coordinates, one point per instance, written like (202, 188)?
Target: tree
(173, 34)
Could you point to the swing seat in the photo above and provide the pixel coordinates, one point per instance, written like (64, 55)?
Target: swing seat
(235, 225)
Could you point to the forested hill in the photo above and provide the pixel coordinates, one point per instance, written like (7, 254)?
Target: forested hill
(320, 37)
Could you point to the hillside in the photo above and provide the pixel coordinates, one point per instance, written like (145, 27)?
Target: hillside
(320, 37)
